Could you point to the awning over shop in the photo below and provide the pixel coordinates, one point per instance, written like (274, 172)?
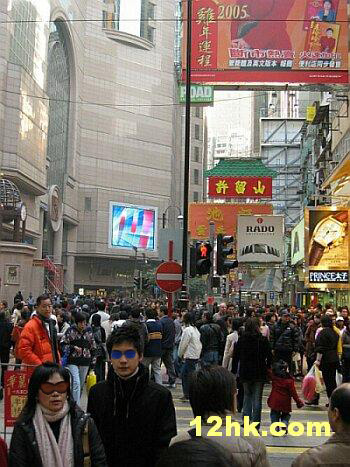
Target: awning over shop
(340, 174)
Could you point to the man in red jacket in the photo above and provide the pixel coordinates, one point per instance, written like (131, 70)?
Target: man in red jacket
(265, 27)
(38, 341)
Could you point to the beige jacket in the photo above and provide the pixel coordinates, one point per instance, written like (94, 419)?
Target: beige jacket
(334, 452)
(246, 451)
(228, 353)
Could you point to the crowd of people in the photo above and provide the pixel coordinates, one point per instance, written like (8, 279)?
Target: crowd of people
(224, 359)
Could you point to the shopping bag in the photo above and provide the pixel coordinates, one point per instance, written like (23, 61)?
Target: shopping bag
(309, 385)
(339, 378)
(90, 380)
(320, 386)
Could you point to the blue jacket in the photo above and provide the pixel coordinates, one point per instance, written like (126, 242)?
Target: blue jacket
(168, 338)
(153, 348)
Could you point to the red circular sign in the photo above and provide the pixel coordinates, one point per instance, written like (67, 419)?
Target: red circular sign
(169, 276)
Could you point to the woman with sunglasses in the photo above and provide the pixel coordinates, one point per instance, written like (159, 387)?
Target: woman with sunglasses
(52, 431)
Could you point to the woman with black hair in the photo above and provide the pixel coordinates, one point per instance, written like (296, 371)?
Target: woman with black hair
(101, 352)
(51, 429)
(253, 354)
(326, 348)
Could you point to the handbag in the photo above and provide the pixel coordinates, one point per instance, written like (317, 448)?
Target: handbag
(90, 380)
(320, 386)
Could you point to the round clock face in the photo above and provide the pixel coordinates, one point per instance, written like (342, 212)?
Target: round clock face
(329, 232)
(23, 212)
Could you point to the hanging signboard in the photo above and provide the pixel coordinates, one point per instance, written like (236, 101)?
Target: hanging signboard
(240, 187)
(294, 41)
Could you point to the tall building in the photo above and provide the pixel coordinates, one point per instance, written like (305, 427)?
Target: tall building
(88, 116)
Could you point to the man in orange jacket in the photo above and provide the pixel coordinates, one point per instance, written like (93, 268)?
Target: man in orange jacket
(38, 341)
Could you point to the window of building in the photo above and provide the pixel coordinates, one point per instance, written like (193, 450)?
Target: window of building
(196, 176)
(196, 131)
(87, 206)
(133, 17)
(198, 112)
(195, 196)
(196, 154)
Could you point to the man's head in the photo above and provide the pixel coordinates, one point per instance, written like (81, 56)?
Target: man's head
(285, 316)
(212, 390)
(339, 409)
(222, 308)
(80, 321)
(345, 313)
(151, 313)
(317, 319)
(135, 312)
(207, 317)
(101, 306)
(329, 32)
(162, 311)
(339, 322)
(44, 306)
(124, 349)
(3, 305)
(230, 309)
(327, 4)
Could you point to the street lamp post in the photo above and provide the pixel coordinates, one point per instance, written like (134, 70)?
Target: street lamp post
(187, 143)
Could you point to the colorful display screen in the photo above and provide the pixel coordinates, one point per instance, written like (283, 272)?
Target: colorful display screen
(133, 226)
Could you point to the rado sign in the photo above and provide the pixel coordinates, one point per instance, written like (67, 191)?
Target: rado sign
(319, 277)
(260, 229)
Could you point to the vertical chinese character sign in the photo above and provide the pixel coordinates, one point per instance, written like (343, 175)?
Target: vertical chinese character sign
(15, 396)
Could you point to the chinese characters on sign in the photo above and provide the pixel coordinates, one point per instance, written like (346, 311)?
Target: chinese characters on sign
(15, 395)
(269, 41)
(240, 187)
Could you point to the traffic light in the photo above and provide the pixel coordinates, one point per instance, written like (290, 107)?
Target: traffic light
(223, 265)
(193, 261)
(203, 261)
(137, 282)
(145, 284)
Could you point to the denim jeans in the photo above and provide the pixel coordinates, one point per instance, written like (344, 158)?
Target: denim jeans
(100, 369)
(252, 401)
(188, 368)
(79, 374)
(277, 416)
(155, 367)
(167, 359)
(210, 358)
(177, 361)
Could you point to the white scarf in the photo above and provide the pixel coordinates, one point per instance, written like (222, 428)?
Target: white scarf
(54, 454)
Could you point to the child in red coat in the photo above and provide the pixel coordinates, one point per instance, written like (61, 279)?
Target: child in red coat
(282, 392)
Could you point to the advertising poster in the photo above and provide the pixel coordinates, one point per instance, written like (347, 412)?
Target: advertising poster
(260, 239)
(132, 227)
(223, 215)
(15, 395)
(295, 41)
(297, 246)
(327, 246)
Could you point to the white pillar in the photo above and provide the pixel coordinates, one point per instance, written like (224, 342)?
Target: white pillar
(57, 245)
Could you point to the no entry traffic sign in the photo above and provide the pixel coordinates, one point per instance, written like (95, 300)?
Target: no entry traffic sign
(169, 276)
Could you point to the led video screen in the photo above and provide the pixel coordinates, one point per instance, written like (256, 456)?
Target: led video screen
(133, 226)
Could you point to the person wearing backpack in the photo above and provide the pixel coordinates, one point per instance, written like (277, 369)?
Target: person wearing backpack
(284, 339)
(100, 354)
(212, 339)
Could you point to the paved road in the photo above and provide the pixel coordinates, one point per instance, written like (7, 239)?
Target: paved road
(281, 451)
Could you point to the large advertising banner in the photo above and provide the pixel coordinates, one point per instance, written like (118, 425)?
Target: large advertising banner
(223, 215)
(298, 245)
(327, 247)
(260, 239)
(295, 41)
(132, 227)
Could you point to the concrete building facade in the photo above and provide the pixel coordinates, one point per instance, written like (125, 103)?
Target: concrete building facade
(88, 99)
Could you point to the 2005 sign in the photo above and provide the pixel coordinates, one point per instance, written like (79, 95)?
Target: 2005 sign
(233, 12)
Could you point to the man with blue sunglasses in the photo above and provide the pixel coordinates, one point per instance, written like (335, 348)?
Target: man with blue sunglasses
(135, 417)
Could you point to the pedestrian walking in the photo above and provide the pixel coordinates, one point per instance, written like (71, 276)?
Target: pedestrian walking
(100, 353)
(346, 354)
(282, 392)
(168, 343)
(211, 339)
(153, 349)
(52, 431)
(5, 346)
(284, 339)
(190, 350)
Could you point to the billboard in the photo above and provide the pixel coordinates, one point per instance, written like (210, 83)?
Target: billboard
(199, 94)
(260, 239)
(223, 215)
(297, 247)
(240, 187)
(132, 226)
(294, 41)
(327, 247)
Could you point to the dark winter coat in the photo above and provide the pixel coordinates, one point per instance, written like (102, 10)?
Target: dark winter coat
(253, 353)
(135, 418)
(327, 345)
(24, 451)
(5, 334)
(211, 337)
(282, 392)
(285, 337)
(168, 334)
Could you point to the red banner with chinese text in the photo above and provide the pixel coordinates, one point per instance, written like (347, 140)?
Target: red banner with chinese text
(223, 215)
(240, 187)
(244, 41)
(15, 396)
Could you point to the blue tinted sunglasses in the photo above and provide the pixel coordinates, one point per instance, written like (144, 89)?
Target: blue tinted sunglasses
(117, 354)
